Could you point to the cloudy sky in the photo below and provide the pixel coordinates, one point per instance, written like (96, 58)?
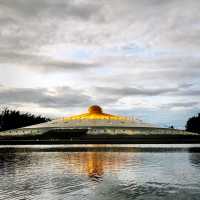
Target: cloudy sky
(132, 57)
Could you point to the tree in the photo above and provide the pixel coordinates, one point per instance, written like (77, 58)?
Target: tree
(12, 119)
(193, 124)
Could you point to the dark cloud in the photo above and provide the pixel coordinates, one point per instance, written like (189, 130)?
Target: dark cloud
(28, 25)
(184, 105)
(181, 90)
(64, 65)
(50, 8)
(63, 97)
(127, 91)
(189, 93)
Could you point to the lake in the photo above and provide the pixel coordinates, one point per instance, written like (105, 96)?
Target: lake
(99, 172)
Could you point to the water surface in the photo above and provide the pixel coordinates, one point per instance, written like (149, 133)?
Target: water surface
(96, 172)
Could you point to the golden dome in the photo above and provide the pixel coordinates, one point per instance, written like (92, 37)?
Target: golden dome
(95, 112)
(95, 109)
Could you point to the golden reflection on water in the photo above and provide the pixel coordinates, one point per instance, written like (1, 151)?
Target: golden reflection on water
(95, 164)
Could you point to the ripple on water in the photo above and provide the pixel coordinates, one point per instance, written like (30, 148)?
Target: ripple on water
(99, 175)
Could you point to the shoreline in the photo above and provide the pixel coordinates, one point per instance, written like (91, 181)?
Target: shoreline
(161, 148)
(104, 139)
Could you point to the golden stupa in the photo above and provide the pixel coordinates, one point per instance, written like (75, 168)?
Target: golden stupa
(95, 112)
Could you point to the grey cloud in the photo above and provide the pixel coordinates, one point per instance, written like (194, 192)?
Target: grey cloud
(42, 63)
(125, 19)
(65, 97)
(181, 90)
(127, 91)
(28, 25)
(185, 104)
(192, 92)
(56, 65)
(188, 104)
(128, 14)
(186, 73)
(174, 69)
(51, 8)
(57, 97)
(4, 21)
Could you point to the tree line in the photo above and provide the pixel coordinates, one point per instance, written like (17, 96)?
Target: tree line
(12, 119)
(193, 124)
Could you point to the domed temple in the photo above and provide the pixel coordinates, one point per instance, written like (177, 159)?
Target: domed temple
(93, 125)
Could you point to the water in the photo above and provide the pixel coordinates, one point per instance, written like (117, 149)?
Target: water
(96, 172)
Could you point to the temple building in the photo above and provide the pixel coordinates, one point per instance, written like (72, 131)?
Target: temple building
(93, 124)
